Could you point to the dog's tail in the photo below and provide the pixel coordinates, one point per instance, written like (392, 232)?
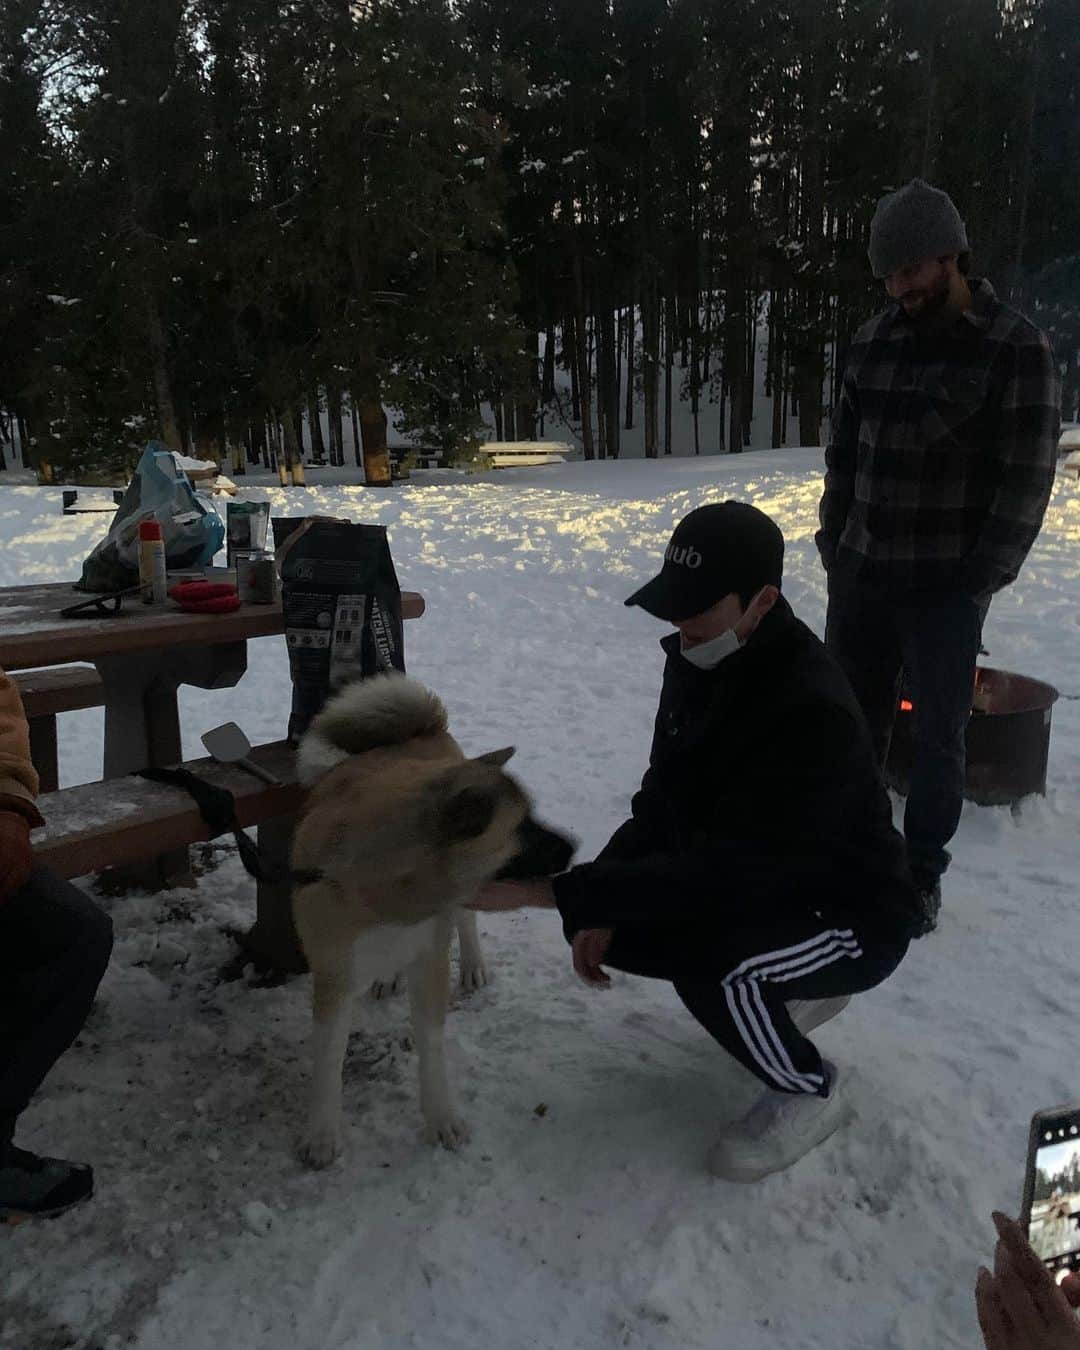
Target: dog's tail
(383, 710)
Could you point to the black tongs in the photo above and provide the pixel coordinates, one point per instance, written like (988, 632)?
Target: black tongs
(107, 604)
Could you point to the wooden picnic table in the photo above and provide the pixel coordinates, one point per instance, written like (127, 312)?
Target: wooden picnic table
(33, 634)
(143, 654)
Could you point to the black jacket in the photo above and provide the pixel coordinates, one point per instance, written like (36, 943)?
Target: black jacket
(762, 789)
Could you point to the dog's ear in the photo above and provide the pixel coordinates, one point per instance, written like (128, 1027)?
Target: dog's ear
(467, 813)
(496, 757)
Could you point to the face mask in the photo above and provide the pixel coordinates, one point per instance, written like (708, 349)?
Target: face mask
(708, 655)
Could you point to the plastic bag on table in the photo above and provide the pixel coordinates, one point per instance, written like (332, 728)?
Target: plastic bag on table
(159, 490)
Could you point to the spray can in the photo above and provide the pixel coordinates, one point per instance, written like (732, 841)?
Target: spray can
(153, 581)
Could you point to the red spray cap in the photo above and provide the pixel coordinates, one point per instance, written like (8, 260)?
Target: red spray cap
(150, 529)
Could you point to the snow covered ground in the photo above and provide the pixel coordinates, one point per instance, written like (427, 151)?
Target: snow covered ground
(579, 1215)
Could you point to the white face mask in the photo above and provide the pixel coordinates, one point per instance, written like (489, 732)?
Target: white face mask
(708, 655)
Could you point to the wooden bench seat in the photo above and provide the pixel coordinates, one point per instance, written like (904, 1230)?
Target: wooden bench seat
(45, 693)
(125, 820)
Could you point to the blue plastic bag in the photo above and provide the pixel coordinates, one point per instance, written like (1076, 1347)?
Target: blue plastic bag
(159, 490)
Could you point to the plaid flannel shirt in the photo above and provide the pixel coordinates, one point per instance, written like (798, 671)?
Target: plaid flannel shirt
(942, 452)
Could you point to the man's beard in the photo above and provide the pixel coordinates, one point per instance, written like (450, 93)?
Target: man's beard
(935, 309)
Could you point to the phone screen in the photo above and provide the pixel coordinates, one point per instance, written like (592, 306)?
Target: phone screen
(1053, 1186)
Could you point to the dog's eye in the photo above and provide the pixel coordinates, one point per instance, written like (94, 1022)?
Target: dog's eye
(468, 813)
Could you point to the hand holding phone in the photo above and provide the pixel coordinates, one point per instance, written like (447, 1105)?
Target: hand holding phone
(1021, 1306)
(1051, 1206)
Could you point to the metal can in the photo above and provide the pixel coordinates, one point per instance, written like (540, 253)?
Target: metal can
(256, 577)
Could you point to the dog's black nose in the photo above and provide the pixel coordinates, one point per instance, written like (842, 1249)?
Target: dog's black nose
(542, 852)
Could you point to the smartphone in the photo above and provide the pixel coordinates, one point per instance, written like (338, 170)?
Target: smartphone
(1051, 1207)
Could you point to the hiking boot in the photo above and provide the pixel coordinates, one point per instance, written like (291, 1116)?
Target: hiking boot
(779, 1129)
(808, 1013)
(33, 1187)
(929, 894)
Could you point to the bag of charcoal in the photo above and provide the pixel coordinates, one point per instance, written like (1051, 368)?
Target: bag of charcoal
(342, 607)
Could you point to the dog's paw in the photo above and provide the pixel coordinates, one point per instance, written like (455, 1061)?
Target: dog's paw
(473, 975)
(387, 988)
(448, 1130)
(321, 1144)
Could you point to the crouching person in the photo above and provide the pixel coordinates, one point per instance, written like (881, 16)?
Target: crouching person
(54, 947)
(760, 871)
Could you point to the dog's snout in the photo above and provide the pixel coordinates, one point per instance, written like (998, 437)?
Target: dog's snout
(542, 852)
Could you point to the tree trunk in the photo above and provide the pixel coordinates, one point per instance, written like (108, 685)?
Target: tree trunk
(751, 367)
(526, 405)
(373, 429)
(373, 438)
(290, 468)
(547, 382)
(669, 361)
(333, 416)
(315, 431)
(774, 370)
(570, 355)
(607, 365)
(1070, 385)
(601, 394)
(650, 358)
(257, 453)
(355, 432)
(620, 343)
(168, 423)
(631, 337)
(932, 126)
(1017, 289)
(273, 444)
(581, 348)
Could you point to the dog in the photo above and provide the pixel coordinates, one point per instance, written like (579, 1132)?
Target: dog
(398, 832)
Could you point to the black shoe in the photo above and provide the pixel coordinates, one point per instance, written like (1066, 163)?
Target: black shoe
(33, 1187)
(929, 894)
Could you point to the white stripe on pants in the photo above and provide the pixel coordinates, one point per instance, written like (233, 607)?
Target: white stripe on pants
(751, 1016)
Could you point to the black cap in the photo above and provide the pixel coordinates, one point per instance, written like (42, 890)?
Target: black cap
(715, 550)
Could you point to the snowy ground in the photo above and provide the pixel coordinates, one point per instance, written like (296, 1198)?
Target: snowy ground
(579, 1216)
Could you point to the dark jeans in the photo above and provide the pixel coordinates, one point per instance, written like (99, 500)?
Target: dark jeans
(54, 947)
(929, 642)
(736, 978)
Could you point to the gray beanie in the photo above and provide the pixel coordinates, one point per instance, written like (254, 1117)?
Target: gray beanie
(913, 224)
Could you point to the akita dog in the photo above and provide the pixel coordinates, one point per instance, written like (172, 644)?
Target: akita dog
(399, 831)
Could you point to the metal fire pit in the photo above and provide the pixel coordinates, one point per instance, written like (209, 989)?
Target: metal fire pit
(1008, 739)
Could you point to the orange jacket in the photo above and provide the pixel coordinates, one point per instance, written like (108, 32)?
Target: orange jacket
(18, 781)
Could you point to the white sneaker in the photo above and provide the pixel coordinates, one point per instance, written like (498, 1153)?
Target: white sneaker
(808, 1013)
(777, 1131)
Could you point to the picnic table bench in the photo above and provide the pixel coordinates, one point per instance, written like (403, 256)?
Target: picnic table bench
(45, 693)
(525, 454)
(139, 658)
(88, 830)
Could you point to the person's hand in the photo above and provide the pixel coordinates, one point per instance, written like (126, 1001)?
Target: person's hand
(1020, 1306)
(590, 946)
(498, 897)
(16, 858)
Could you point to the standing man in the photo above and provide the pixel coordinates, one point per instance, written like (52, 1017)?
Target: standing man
(759, 870)
(938, 473)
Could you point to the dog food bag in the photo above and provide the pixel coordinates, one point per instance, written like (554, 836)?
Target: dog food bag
(245, 528)
(342, 607)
